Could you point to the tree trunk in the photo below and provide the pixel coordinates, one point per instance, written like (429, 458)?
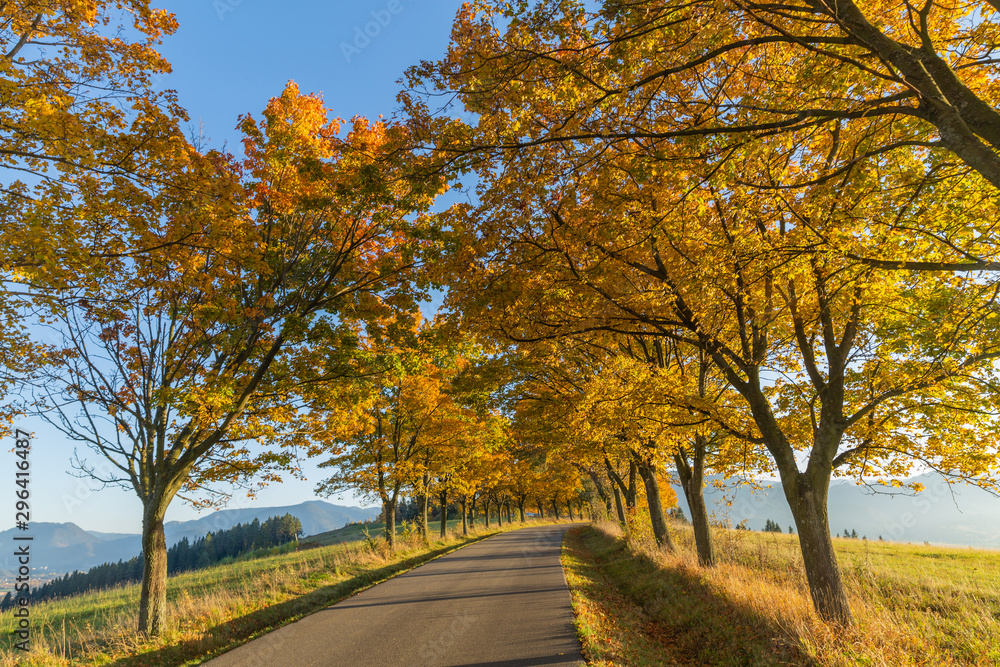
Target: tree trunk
(424, 526)
(555, 508)
(465, 517)
(472, 512)
(520, 507)
(499, 514)
(702, 529)
(153, 594)
(656, 515)
(693, 483)
(390, 524)
(633, 490)
(619, 506)
(486, 511)
(601, 491)
(620, 489)
(569, 506)
(443, 495)
(541, 508)
(822, 571)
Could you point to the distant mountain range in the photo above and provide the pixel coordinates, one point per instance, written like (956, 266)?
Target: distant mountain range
(941, 514)
(57, 548)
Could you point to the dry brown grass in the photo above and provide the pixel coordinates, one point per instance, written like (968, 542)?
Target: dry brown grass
(914, 605)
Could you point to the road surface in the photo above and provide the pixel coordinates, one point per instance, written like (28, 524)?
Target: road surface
(502, 602)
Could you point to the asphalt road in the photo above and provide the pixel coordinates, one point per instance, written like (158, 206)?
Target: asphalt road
(502, 602)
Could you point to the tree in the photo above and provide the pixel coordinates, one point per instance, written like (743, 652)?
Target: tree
(477, 464)
(671, 394)
(185, 356)
(739, 290)
(83, 125)
(775, 316)
(613, 226)
(913, 82)
(83, 141)
(616, 390)
(396, 424)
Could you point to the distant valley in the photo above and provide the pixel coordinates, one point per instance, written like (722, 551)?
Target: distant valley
(58, 548)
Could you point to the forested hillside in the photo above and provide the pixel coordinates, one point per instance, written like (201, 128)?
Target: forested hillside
(183, 556)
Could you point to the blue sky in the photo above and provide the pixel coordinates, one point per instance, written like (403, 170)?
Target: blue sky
(229, 58)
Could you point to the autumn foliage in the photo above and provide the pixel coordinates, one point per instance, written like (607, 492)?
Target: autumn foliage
(705, 237)
(794, 197)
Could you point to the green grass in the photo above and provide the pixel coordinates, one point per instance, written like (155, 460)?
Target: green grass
(355, 532)
(914, 605)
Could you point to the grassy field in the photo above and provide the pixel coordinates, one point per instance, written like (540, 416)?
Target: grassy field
(355, 532)
(219, 607)
(915, 605)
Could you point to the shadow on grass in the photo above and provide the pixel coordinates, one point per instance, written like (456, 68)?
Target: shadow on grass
(231, 634)
(692, 621)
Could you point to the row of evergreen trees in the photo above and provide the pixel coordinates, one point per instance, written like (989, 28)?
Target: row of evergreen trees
(773, 527)
(236, 541)
(408, 509)
(184, 555)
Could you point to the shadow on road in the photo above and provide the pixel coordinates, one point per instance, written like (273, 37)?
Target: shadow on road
(238, 630)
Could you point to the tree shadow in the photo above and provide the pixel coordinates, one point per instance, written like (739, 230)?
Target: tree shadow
(686, 616)
(237, 631)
